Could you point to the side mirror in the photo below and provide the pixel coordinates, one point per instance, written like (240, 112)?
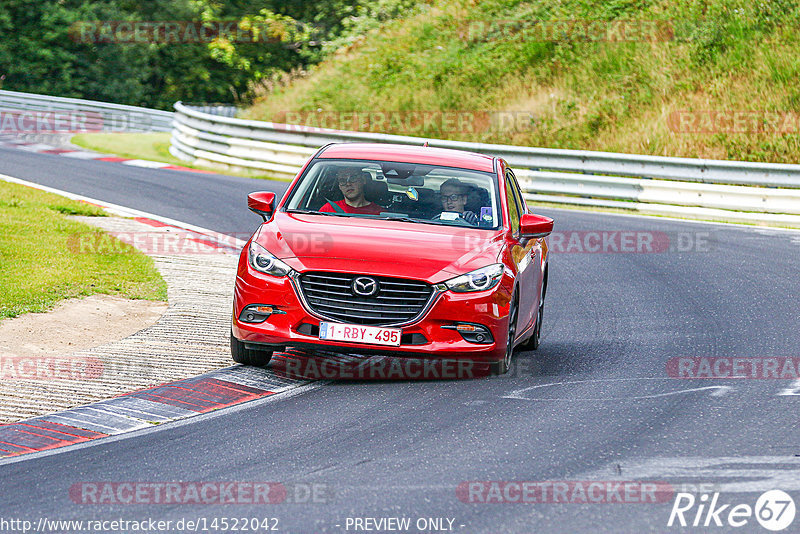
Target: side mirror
(262, 203)
(531, 225)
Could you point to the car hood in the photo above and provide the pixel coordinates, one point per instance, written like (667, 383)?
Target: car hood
(309, 242)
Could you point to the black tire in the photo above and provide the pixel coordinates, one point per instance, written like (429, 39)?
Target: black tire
(260, 358)
(533, 342)
(245, 356)
(502, 367)
(238, 352)
(535, 339)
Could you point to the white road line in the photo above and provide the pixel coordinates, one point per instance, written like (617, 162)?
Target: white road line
(84, 155)
(145, 163)
(794, 389)
(123, 211)
(520, 394)
(37, 147)
(725, 473)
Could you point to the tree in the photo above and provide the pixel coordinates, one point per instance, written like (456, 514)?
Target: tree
(44, 48)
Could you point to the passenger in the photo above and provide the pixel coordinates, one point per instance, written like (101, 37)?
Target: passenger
(453, 193)
(351, 183)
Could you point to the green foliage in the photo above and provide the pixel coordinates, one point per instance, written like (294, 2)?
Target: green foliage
(41, 49)
(368, 16)
(598, 93)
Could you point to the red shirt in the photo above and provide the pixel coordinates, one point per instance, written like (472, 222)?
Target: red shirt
(369, 209)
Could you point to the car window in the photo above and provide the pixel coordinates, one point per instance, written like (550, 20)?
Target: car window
(412, 192)
(513, 205)
(523, 206)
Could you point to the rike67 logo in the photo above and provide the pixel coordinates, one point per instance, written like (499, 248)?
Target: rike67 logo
(774, 510)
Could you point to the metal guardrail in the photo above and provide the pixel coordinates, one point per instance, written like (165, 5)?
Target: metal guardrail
(98, 116)
(225, 110)
(694, 188)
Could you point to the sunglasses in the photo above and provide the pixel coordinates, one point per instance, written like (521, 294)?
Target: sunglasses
(348, 180)
(453, 197)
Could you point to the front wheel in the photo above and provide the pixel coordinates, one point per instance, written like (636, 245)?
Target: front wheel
(245, 356)
(532, 343)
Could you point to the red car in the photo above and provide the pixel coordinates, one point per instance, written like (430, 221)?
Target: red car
(396, 250)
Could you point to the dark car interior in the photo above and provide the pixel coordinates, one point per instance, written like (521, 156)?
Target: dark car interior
(408, 195)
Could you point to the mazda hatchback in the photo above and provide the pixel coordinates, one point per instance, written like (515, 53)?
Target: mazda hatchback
(398, 250)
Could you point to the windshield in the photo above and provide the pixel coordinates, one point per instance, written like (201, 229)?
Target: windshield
(405, 191)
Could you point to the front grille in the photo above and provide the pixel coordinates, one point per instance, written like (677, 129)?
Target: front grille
(397, 300)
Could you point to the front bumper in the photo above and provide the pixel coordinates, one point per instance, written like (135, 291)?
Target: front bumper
(297, 327)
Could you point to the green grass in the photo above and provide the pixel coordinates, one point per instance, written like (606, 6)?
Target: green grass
(727, 55)
(40, 261)
(151, 147)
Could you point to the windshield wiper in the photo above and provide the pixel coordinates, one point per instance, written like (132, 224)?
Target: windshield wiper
(301, 211)
(404, 218)
(313, 212)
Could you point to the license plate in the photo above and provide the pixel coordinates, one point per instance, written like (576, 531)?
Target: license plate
(360, 334)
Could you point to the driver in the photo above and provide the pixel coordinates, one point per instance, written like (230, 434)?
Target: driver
(453, 193)
(351, 183)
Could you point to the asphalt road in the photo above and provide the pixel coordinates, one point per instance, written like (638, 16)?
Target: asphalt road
(213, 201)
(595, 402)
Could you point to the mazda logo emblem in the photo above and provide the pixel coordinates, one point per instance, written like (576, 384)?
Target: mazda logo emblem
(365, 287)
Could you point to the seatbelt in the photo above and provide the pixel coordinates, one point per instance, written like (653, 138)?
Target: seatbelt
(336, 207)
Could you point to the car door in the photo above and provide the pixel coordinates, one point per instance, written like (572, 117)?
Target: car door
(523, 253)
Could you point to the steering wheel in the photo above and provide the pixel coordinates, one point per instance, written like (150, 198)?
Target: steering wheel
(461, 221)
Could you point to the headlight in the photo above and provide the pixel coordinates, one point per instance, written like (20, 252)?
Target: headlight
(261, 260)
(477, 280)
